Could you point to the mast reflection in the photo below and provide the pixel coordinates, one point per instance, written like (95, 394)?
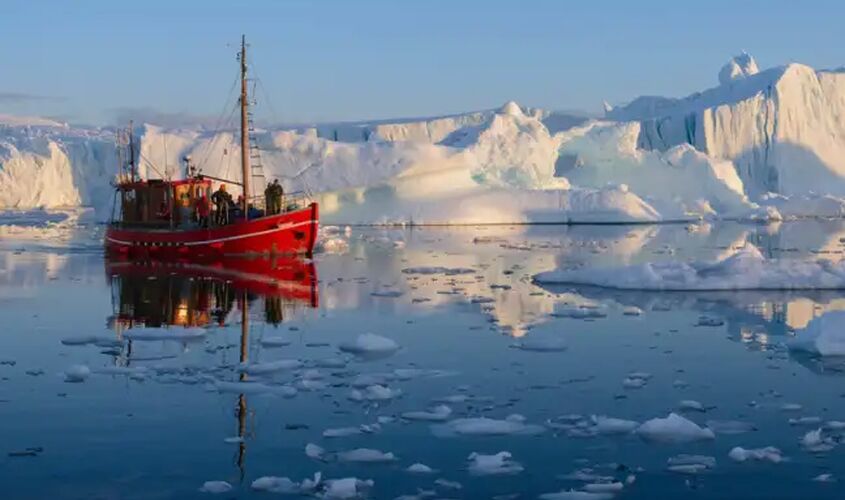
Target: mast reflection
(159, 294)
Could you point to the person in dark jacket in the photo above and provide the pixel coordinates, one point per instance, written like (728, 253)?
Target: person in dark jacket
(223, 203)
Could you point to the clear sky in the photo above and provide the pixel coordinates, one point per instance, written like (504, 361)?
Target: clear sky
(97, 61)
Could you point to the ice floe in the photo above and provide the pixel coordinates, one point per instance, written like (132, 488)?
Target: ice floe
(824, 335)
(436, 414)
(691, 464)
(366, 455)
(77, 373)
(483, 426)
(744, 269)
(370, 345)
(418, 468)
(216, 487)
(487, 465)
(673, 429)
(767, 454)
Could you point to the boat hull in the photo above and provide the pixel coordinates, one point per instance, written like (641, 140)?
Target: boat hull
(289, 233)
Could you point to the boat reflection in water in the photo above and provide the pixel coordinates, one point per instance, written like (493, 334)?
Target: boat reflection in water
(162, 294)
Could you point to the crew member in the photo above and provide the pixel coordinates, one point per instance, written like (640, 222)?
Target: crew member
(223, 202)
(203, 210)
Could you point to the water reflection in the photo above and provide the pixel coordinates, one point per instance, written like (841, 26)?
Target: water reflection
(163, 294)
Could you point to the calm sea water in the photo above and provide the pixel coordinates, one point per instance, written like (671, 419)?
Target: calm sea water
(159, 417)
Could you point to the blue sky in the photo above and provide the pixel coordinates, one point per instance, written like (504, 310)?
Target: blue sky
(96, 61)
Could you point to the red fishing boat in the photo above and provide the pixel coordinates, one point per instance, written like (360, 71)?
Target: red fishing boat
(175, 218)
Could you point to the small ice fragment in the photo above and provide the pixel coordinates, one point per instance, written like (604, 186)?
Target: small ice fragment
(274, 342)
(791, 407)
(825, 478)
(673, 429)
(445, 483)
(805, 421)
(835, 425)
(271, 366)
(632, 311)
(767, 454)
(370, 343)
(347, 488)
(216, 487)
(77, 373)
(614, 487)
(419, 468)
(609, 425)
(233, 440)
(575, 495)
(436, 414)
(634, 383)
(487, 465)
(691, 405)
(366, 455)
(375, 393)
(314, 451)
(341, 432)
(483, 426)
(279, 485)
(730, 426)
(551, 344)
(815, 442)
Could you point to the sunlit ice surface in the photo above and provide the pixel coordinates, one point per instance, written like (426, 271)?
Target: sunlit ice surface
(397, 354)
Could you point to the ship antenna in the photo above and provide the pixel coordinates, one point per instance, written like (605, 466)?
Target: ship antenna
(244, 130)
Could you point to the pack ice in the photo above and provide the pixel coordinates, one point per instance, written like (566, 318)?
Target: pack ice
(761, 144)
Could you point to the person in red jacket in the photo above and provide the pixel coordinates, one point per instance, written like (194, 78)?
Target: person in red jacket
(203, 210)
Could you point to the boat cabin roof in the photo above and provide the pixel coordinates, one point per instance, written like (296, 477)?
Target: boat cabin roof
(158, 183)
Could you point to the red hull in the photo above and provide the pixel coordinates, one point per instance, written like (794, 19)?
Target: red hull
(290, 233)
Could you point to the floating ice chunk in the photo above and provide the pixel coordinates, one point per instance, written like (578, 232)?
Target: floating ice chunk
(347, 488)
(367, 379)
(274, 342)
(331, 246)
(216, 487)
(691, 464)
(370, 344)
(483, 426)
(816, 442)
(233, 440)
(835, 425)
(767, 454)
(791, 407)
(805, 421)
(314, 451)
(823, 336)
(632, 311)
(448, 271)
(437, 414)
(279, 485)
(609, 425)
(614, 487)
(366, 455)
(825, 478)
(445, 483)
(575, 495)
(77, 374)
(673, 429)
(271, 366)
(634, 383)
(487, 465)
(730, 426)
(92, 340)
(375, 393)
(340, 432)
(175, 334)
(419, 468)
(691, 405)
(551, 344)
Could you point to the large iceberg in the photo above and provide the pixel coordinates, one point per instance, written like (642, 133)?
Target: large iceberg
(762, 145)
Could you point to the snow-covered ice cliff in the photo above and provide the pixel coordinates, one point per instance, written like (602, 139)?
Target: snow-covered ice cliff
(763, 144)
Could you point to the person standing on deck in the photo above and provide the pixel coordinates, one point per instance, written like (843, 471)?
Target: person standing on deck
(203, 210)
(222, 201)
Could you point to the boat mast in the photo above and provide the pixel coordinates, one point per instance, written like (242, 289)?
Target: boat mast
(244, 130)
(132, 171)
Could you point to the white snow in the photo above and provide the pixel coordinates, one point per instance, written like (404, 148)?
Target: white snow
(488, 465)
(745, 268)
(673, 429)
(174, 334)
(346, 488)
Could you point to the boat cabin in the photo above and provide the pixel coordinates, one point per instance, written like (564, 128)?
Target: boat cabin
(160, 203)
